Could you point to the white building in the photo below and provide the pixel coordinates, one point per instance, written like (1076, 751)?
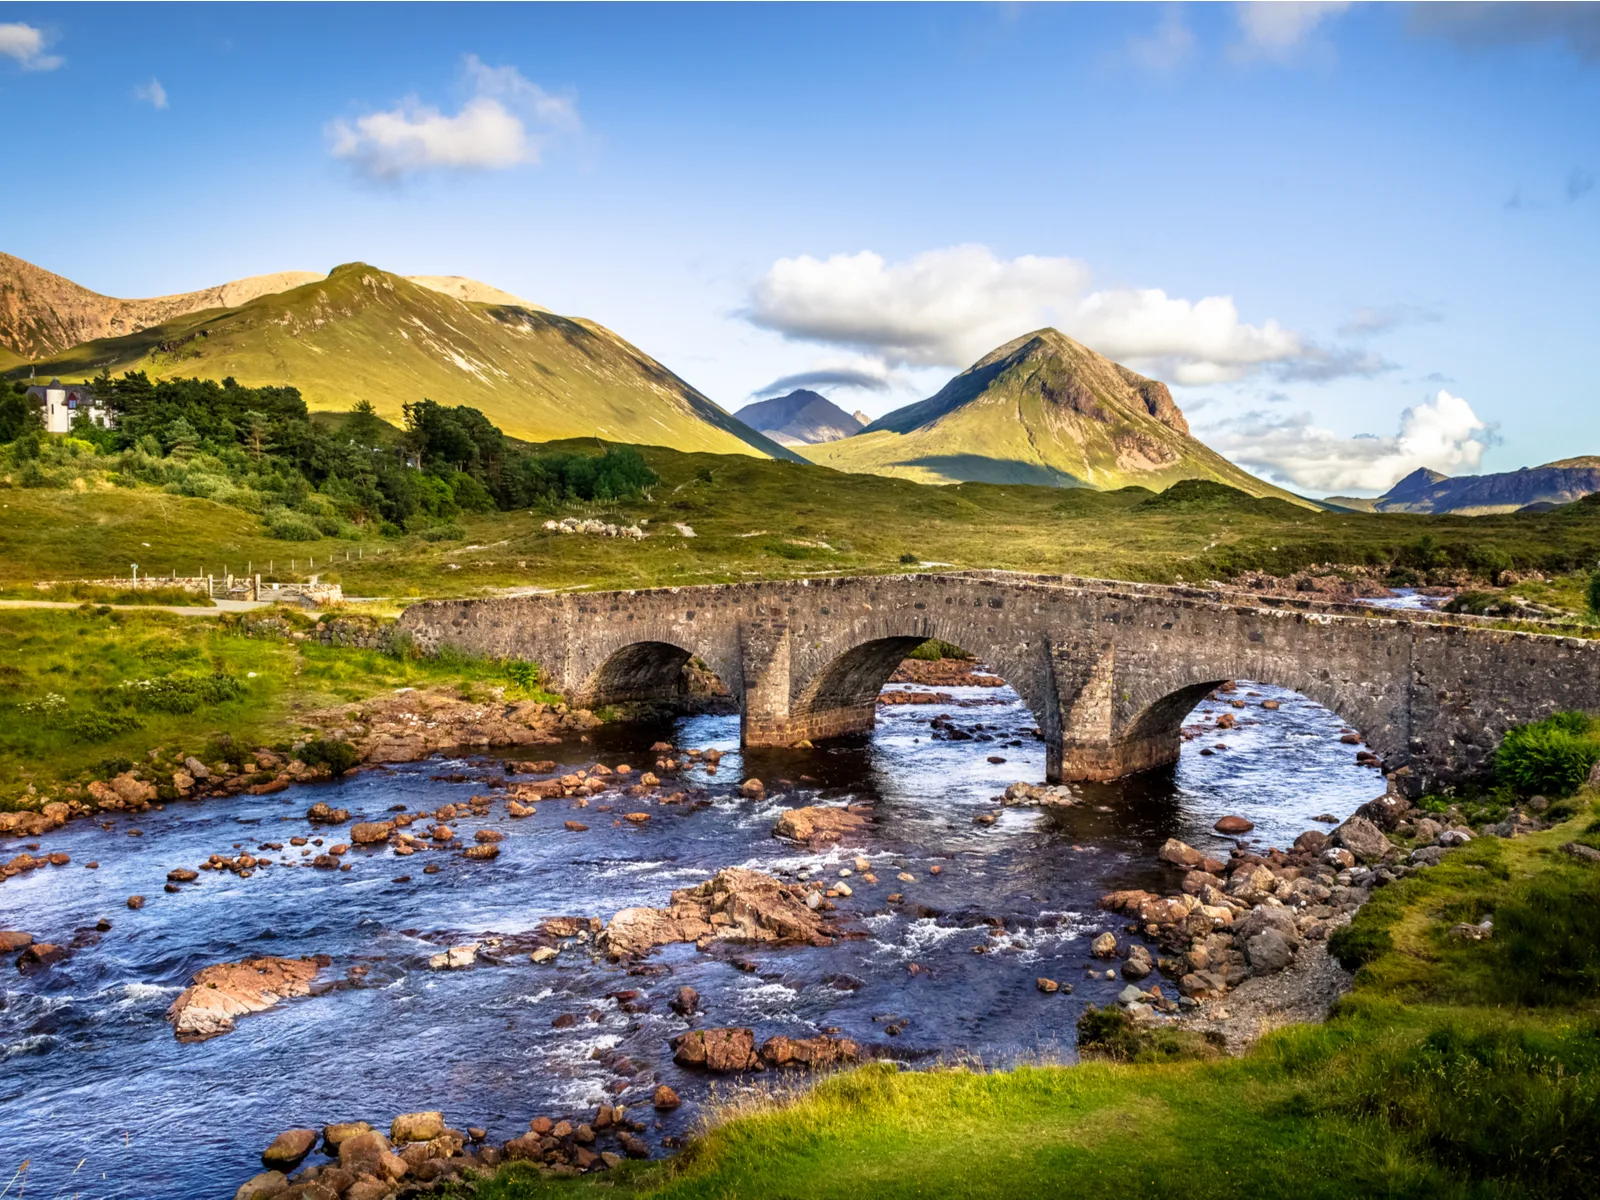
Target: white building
(64, 401)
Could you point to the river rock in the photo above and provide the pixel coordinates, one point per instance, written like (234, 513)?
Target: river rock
(818, 826)
(182, 875)
(686, 1003)
(665, 1099)
(1233, 826)
(369, 1154)
(1264, 917)
(322, 814)
(14, 939)
(1138, 964)
(289, 1149)
(1251, 881)
(222, 992)
(1179, 854)
(336, 1134)
(366, 833)
(367, 1189)
(266, 1186)
(1362, 838)
(1104, 946)
(454, 959)
(1312, 841)
(818, 1051)
(1269, 951)
(737, 905)
(416, 1127)
(721, 1050)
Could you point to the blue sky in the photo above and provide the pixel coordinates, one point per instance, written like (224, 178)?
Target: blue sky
(1355, 238)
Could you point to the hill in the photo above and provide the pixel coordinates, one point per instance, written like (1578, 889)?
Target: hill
(364, 334)
(1425, 491)
(1041, 409)
(802, 418)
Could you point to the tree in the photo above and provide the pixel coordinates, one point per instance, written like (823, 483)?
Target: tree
(253, 432)
(364, 427)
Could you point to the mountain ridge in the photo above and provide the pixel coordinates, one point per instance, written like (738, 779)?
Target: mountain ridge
(1043, 409)
(363, 333)
(801, 418)
(1426, 491)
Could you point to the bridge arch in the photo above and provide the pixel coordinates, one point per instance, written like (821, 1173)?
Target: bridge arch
(837, 681)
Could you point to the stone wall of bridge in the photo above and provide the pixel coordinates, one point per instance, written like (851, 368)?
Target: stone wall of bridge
(1110, 670)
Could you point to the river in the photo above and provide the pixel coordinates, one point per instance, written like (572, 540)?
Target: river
(105, 1102)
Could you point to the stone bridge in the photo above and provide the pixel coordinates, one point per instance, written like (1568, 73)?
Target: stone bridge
(1109, 669)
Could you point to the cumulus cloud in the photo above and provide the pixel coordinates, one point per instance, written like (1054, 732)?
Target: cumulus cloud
(26, 45)
(1164, 47)
(151, 93)
(1277, 30)
(950, 307)
(1486, 26)
(1443, 434)
(507, 123)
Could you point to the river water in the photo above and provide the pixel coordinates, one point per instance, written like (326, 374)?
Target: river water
(105, 1102)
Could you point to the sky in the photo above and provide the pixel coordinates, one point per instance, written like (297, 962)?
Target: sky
(1355, 239)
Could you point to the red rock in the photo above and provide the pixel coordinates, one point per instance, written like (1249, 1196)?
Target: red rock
(818, 1051)
(721, 1050)
(220, 993)
(818, 826)
(289, 1149)
(665, 1098)
(1233, 826)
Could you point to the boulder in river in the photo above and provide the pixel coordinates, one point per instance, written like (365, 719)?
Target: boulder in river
(416, 1127)
(14, 939)
(818, 1051)
(222, 992)
(718, 1050)
(1233, 826)
(367, 833)
(289, 1149)
(266, 1186)
(736, 905)
(818, 826)
(1180, 854)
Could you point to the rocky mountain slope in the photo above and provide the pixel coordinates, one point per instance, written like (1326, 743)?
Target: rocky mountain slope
(802, 418)
(1425, 491)
(363, 333)
(1041, 409)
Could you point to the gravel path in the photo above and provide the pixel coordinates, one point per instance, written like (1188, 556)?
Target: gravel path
(1302, 992)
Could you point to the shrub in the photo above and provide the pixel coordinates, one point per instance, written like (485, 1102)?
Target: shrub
(107, 767)
(221, 747)
(291, 526)
(98, 725)
(1358, 943)
(1553, 756)
(1110, 1033)
(933, 650)
(338, 756)
(449, 531)
(1593, 593)
(181, 692)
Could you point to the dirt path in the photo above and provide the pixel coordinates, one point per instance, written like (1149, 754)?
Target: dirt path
(221, 606)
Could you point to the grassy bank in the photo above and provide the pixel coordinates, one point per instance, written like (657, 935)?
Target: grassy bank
(1455, 1068)
(753, 518)
(85, 691)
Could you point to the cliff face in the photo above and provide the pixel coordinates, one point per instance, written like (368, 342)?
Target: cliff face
(43, 314)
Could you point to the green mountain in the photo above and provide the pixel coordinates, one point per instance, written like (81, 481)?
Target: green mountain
(1041, 409)
(364, 334)
(1425, 491)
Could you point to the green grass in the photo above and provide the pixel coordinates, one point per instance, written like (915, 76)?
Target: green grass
(81, 688)
(1454, 1069)
(755, 518)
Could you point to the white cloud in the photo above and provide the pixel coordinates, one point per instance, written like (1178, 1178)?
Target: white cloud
(1165, 46)
(1279, 29)
(507, 123)
(1443, 434)
(854, 372)
(152, 93)
(950, 307)
(26, 45)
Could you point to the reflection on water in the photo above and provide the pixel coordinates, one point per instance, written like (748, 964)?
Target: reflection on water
(91, 1071)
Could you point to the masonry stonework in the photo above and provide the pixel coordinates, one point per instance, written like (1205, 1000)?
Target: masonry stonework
(1110, 669)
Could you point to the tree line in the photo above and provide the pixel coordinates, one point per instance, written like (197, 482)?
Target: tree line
(259, 447)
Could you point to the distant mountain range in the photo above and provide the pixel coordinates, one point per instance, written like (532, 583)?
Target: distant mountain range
(361, 333)
(802, 418)
(1041, 409)
(1425, 491)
